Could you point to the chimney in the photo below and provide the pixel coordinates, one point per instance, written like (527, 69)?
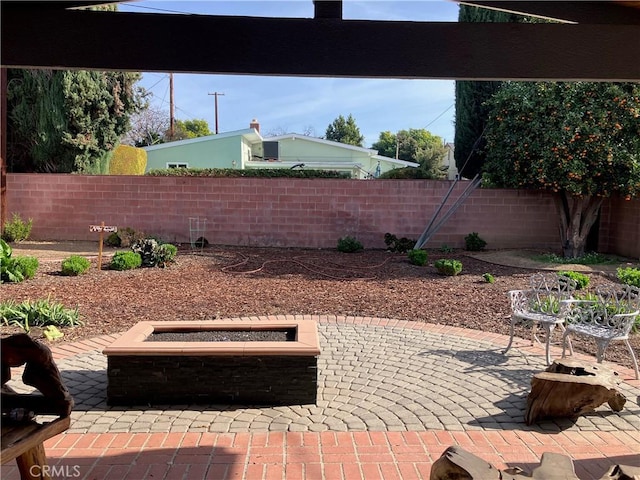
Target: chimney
(254, 124)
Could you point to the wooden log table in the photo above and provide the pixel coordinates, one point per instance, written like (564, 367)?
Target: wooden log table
(569, 388)
(24, 442)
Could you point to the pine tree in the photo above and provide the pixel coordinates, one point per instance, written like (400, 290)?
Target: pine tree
(345, 131)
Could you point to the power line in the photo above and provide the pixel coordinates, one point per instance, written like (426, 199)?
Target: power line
(447, 109)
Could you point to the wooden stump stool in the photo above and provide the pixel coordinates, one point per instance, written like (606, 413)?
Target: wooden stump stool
(568, 389)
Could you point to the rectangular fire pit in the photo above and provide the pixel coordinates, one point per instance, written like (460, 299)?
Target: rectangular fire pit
(142, 369)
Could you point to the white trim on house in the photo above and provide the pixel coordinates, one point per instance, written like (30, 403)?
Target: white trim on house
(400, 163)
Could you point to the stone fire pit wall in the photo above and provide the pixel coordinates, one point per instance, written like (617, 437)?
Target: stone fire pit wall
(252, 372)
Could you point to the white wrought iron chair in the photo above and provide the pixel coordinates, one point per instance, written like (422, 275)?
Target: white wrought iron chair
(606, 320)
(545, 304)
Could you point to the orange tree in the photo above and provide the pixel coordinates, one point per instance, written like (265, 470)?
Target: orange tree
(580, 140)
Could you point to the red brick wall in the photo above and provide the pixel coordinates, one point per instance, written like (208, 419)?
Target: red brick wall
(279, 212)
(620, 227)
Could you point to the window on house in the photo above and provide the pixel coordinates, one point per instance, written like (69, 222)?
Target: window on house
(178, 165)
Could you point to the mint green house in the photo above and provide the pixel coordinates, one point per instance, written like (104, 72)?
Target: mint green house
(246, 149)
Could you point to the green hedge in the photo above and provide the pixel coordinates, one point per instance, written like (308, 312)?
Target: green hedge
(258, 173)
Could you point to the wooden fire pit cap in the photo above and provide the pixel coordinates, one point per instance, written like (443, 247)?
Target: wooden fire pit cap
(133, 341)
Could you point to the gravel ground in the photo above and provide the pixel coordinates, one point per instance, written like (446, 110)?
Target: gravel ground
(224, 336)
(221, 282)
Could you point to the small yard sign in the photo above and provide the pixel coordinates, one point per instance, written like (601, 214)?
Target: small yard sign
(101, 229)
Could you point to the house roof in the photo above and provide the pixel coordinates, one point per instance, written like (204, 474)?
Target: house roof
(369, 151)
(250, 134)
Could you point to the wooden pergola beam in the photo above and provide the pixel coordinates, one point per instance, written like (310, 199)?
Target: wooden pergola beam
(77, 39)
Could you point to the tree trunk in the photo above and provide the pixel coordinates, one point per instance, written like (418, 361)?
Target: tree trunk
(576, 217)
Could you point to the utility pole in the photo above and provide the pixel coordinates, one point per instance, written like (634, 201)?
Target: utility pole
(172, 129)
(215, 94)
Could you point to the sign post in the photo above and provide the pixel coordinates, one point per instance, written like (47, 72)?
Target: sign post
(101, 228)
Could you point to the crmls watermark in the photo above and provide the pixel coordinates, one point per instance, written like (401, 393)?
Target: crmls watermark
(55, 471)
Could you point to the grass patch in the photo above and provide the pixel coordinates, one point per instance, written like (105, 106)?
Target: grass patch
(591, 258)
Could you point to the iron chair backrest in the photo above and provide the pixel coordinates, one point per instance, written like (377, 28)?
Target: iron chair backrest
(553, 282)
(622, 300)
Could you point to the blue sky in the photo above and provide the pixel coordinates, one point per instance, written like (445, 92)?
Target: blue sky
(297, 104)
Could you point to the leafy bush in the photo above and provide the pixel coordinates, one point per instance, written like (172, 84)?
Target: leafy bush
(15, 269)
(124, 237)
(113, 240)
(349, 245)
(166, 254)
(154, 253)
(257, 172)
(629, 276)
(125, 261)
(38, 313)
(581, 279)
(17, 230)
(418, 257)
(401, 245)
(28, 266)
(474, 243)
(127, 160)
(487, 277)
(75, 265)
(406, 173)
(448, 267)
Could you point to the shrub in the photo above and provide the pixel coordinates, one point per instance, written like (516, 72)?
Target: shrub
(28, 266)
(418, 257)
(444, 248)
(448, 267)
(125, 261)
(581, 279)
(401, 245)
(38, 313)
(254, 172)
(15, 269)
(113, 240)
(16, 230)
(154, 253)
(127, 160)
(124, 237)
(629, 276)
(75, 265)
(166, 254)
(349, 245)
(474, 243)
(487, 277)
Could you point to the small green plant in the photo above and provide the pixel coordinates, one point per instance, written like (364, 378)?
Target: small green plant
(474, 243)
(15, 269)
(629, 276)
(52, 333)
(125, 261)
(444, 248)
(38, 313)
(487, 277)
(418, 257)
(17, 230)
(581, 279)
(75, 265)
(448, 266)
(349, 245)
(394, 244)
